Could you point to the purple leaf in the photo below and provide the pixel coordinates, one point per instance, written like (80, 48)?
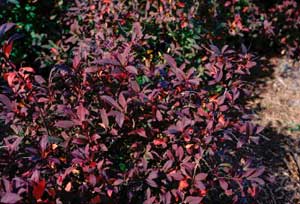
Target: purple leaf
(5, 27)
(120, 119)
(118, 182)
(122, 101)
(104, 118)
(108, 62)
(81, 112)
(158, 115)
(64, 124)
(170, 60)
(112, 102)
(6, 101)
(167, 165)
(39, 79)
(200, 176)
(150, 200)
(76, 62)
(44, 142)
(193, 199)
(223, 184)
(10, 198)
(135, 86)
(131, 69)
(258, 172)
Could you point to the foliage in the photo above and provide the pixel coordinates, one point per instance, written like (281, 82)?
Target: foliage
(95, 129)
(148, 107)
(39, 23)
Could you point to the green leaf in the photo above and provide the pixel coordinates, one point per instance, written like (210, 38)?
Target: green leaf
(122, 167)
(16, 2)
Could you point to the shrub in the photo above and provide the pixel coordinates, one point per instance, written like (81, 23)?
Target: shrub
(113, 127)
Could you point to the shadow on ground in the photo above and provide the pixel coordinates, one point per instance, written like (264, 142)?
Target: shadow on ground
(274, 105)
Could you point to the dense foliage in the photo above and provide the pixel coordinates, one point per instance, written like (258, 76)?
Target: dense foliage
(146, 110)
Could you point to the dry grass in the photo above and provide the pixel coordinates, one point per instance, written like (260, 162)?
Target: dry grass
(279, 102)
(277, 108)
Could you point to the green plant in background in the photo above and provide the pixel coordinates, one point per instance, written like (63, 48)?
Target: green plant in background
(38, 21)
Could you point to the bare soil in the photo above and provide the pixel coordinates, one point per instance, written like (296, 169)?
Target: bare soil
(276, 106)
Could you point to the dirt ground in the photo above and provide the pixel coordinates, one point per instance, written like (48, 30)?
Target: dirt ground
(276, 106)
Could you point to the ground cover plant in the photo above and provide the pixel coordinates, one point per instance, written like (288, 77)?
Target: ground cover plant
(143, 104)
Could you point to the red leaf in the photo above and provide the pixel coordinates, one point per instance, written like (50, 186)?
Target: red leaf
(141, 132)
(9, 77)
(109, 193)
(157, 142)
(183, 184)
(27, 69)
(7, 47)
(38, 189)
(68, 187)
(181, 4)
